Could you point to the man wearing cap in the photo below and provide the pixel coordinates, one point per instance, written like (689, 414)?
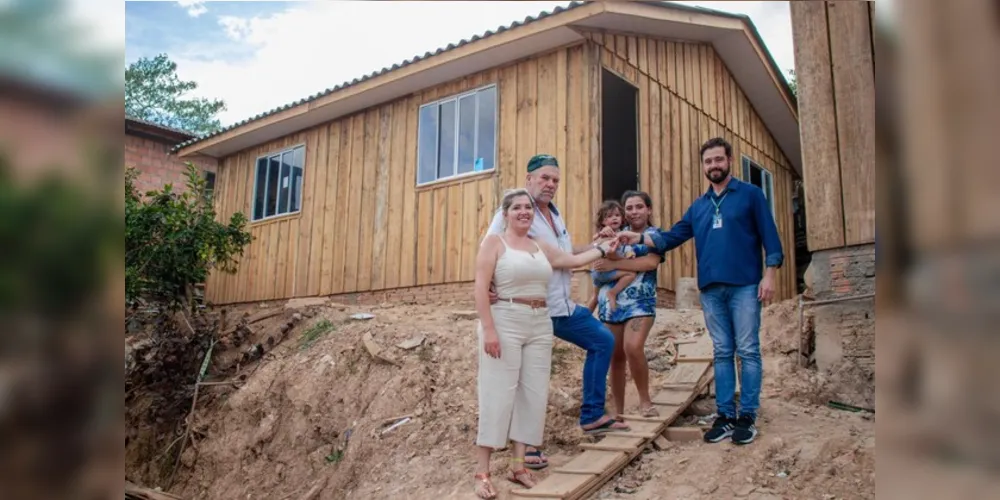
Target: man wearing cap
(572, 322)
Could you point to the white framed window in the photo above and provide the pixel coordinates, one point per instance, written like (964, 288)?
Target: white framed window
(760, 177)
(277, 187)
(457, 135)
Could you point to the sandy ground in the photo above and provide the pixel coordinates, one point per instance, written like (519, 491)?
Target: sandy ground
(309, 419)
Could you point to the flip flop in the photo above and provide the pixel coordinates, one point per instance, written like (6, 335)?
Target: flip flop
(542, 463)
(607, 427)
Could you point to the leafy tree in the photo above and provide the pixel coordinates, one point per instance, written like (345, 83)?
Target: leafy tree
(172, 240)
(153, 92)
(793, 82)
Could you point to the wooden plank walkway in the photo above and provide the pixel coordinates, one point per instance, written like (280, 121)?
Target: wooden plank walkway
(589, 471)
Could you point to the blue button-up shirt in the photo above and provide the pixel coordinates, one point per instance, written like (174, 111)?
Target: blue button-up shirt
(730, 254)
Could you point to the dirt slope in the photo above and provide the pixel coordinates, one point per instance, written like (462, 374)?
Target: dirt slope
(308, 420)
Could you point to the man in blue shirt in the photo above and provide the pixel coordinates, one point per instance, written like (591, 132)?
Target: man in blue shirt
(729, 223)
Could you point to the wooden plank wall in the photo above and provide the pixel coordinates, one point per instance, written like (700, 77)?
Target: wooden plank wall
(686, 96)
(365, 225)
(835, 63)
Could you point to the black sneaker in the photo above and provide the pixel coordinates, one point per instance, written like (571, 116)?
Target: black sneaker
(745, 431)
(721, 429)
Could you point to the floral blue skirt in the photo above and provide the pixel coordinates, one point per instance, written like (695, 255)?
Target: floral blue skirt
(636, 301)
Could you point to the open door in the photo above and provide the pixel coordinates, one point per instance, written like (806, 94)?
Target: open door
(619, 136)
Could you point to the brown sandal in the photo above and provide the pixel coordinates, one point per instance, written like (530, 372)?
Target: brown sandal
(524, 477)
(484, 487)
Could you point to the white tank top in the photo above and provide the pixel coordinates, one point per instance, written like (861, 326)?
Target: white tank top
(521, 274)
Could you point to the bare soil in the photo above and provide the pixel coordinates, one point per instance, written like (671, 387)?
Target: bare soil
(307, 420)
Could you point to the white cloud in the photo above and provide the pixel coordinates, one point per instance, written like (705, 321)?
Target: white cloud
(194, 8)
(773, 21)
(237, 28)
(104, 21)
(314, 46)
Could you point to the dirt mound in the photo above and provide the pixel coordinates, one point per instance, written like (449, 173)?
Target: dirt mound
(802, 452)
(385, 407)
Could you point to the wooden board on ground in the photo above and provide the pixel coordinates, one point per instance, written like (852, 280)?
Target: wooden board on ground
(588, 472)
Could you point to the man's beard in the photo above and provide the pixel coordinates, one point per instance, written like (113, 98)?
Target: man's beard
(717, 175)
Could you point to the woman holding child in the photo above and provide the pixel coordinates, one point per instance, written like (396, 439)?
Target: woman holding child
(631, 313)
(516, 337)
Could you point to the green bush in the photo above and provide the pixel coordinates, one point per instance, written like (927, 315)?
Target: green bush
(172, 240)
(57, 241)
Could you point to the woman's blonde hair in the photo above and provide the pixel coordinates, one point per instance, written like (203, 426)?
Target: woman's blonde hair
(510, 194)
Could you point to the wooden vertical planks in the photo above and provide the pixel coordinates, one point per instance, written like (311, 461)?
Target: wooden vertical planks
(396, 179)
(452, 263)
(527, 112)
(360, 194)
(380, 228)
(509, 161)
(821, 160)
(303, 234)
(366, 223)
(408, 263)
(342, 222)
(643, 133)
(546, 118)
(576, 139)
(329, 237)
(314, 238)
(352, 234)
(854, 97)
(676, 179)
(571, 178)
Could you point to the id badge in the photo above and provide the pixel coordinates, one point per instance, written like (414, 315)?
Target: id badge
(717, 221)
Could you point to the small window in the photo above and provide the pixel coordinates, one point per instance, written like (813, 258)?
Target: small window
(278, 183)
(760, 177)
(457, 135)
(209, 185)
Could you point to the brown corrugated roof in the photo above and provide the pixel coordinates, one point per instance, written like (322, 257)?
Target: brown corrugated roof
(161, 130)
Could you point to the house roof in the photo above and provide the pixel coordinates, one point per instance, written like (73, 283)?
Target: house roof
(146, 128)
(733, 36)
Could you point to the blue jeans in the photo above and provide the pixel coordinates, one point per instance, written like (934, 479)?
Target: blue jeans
(582, 329)
(732, 314)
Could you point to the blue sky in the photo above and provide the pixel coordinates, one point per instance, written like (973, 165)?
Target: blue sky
(258, 55)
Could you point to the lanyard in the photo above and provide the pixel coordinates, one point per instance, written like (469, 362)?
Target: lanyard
(718, 204)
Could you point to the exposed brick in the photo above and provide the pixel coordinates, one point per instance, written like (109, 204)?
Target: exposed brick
(157, 167)
(845, 331)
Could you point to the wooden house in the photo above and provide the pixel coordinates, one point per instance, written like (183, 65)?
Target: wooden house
(381, 188)
(835, 68)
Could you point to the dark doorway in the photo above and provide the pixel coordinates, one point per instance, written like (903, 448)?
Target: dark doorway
(619, 136)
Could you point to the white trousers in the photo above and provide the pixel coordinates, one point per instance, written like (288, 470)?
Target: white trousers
(514, 389)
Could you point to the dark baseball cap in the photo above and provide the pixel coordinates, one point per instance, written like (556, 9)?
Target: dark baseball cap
(538, 161)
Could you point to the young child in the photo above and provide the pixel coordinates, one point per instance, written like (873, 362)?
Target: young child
(611, 215)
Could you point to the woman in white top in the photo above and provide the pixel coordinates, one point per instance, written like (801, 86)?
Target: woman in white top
(515, 337)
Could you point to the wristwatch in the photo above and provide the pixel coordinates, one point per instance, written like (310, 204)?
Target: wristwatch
(599, 249)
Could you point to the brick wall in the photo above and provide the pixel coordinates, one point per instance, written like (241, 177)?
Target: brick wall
(841, 272)
(157, 166)
(845, 331)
